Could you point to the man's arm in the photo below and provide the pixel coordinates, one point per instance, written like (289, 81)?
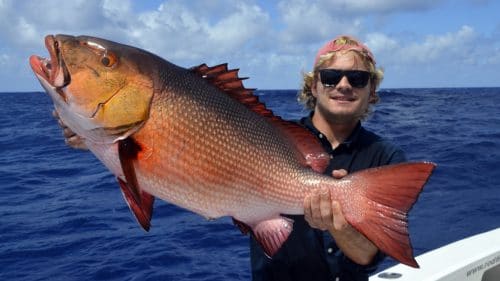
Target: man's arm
(320, 212)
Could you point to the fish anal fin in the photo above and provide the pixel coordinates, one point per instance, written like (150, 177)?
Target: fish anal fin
(140, 202)
(380, 209)
(272, 233)
(309, 150)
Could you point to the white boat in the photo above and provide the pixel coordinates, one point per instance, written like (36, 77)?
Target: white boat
(475, 258)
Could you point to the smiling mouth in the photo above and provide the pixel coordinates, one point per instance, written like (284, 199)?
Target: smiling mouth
(52, 70)
(343, 98)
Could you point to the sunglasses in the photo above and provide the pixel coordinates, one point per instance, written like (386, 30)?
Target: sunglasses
(331, 77)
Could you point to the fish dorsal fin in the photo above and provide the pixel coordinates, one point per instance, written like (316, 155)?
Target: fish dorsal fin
(311, 153)
(139, 201)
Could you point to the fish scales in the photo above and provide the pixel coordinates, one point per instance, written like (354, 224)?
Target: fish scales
(243, 164)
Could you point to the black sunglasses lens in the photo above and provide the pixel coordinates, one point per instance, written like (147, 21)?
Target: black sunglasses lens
(357, 78)
(330, 77)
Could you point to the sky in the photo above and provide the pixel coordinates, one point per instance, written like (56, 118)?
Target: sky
(418, 43)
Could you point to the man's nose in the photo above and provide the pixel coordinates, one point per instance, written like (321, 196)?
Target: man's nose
(344, 83)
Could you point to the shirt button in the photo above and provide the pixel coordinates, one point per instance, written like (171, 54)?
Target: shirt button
(320, 136)
(329, 250)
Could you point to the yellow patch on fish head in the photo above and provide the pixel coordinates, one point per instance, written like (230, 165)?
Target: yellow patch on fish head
(107, 84)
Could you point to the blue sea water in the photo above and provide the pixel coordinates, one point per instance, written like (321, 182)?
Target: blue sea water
(62, 216)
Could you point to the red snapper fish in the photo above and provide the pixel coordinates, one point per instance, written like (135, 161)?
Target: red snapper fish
(199, 139)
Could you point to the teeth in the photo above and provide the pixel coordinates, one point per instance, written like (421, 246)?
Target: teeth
(46, 67)
(59, 78)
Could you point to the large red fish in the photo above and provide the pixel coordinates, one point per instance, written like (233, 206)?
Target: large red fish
(198, 139)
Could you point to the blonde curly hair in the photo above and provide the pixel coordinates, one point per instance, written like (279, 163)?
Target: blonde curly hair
(340, 46)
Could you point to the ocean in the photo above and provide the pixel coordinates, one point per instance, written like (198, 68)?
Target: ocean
(62, 216)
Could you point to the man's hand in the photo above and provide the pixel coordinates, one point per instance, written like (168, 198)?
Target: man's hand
(323, 213)
(71, 139)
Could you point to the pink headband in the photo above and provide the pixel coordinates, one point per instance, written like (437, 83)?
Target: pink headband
(344, 43)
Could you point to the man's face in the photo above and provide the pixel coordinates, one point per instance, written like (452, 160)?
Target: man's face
(342, 103)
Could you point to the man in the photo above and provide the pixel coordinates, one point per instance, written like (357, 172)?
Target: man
(322, 245)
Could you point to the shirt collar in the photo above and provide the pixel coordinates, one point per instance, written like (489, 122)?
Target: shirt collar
(350, 141)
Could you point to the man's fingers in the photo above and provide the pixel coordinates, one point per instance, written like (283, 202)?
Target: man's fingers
(308, 211)
(307, 207)
(70, 137)
(338, 174)
(325, 208)
(68, 133)
(315, 208)
(339, 221)
(61, 124)
(75, 142)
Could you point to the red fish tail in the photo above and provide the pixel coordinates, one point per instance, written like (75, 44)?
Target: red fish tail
(386, 195)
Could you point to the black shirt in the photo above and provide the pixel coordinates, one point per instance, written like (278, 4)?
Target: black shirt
(311, 254)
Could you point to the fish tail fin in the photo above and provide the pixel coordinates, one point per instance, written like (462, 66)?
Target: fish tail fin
(387, 193)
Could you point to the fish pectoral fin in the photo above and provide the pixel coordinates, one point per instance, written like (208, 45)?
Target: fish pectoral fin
(271, 234)
(141, 206)
(139, 201)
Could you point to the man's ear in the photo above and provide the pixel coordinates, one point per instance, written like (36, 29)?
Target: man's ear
(373, 95)
(314, 88)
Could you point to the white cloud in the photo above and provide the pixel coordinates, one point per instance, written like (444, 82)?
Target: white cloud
(117, 9)
(25, 23)
(379, 42)
(308, 21)
(64, 15)
(188, 33)
(4, 59)
(381, 6)
(348, 8)
(314, 22)
(245, 24)
(450, 46)
(440, 59)
(437, 47)
(265, 39)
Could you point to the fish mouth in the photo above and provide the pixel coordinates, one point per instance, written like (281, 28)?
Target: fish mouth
(52, 71)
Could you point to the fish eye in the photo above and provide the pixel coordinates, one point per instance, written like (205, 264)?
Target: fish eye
(108, 59)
